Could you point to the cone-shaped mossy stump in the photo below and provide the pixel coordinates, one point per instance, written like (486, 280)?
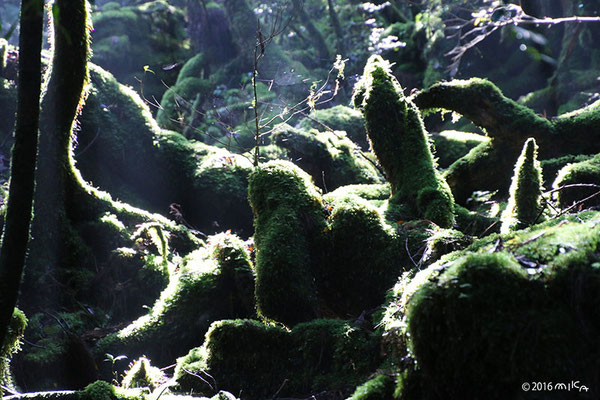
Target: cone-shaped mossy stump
(288, 220)
(524, 204)
(402, 146)
(481, 322)
(508, 124)
(262, 361)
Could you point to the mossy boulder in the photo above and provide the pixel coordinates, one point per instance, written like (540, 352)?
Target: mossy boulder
(483, 321)
(180, 103)
(452, 145)
(586, 172)
(211, 283)
(363, 258)
(402, 145)
(322, 355)
(328, 156)
(335, 259)
(379, 388)
(138, 41)
(122, 150)
(339, 118)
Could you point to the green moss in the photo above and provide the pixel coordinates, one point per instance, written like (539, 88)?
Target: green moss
(402, 146)
(444, 241)
(379, 388)
(314, 356)
(3, 54)
(129, 39)
(288, 218)
(176, 109)
(479, 322)
(375, 194)
(452, 145)
(524, 204)
(475, 223)
(142, 374)
(329, 157)
(551, 166)
(583, 172)
(363, 259)
(212, 283)
(192, 68)
(152, 168)
(231, 353)
(12, 344)
(339, 118)
(98, 390)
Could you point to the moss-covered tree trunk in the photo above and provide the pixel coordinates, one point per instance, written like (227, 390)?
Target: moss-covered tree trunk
(63, 97)
(18, 213)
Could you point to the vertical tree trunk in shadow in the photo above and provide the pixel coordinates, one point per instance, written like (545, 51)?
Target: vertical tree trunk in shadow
(18, 212)
(55, 174)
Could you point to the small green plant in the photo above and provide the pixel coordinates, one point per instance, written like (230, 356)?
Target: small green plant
(113, 360)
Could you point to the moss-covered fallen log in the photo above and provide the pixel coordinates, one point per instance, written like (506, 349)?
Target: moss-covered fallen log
(508, 124)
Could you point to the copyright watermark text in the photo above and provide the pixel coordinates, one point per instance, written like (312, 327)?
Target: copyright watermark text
(572, 386)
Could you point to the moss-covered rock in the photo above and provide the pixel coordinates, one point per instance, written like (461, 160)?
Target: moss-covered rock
(179, 104)
(481, 322)
(524, 204)
(288, 219)
(329, 157)
(138, 41)
(402, 146)
(585, 172)
(211, 283)
(99, 390)
(379, 388)
(121, 149)
(363, 259)
(315, 356)
(339, 118)
(452, 145)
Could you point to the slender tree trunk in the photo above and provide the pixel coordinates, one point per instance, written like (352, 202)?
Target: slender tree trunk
(55, 175)
(22, 169)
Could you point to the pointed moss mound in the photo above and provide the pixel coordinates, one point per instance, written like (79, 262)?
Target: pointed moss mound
(524, 205)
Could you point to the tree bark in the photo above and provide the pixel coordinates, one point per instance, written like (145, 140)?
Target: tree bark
(56, 178)
(18, 212)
